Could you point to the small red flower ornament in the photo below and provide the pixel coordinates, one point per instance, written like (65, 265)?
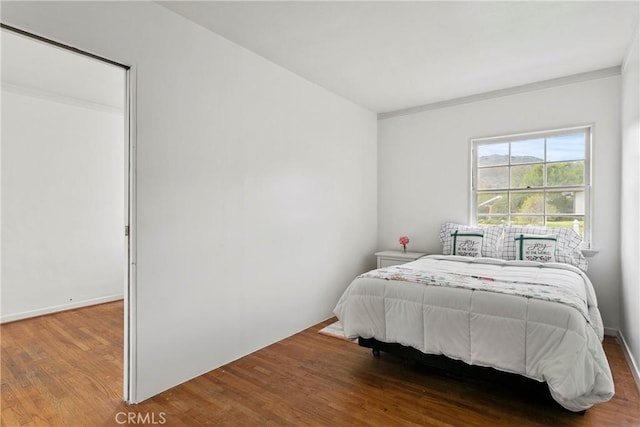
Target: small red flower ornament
(404, 241)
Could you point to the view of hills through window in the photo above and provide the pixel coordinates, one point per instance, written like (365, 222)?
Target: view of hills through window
(537, 181)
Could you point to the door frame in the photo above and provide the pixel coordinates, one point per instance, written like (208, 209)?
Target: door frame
(130, 296)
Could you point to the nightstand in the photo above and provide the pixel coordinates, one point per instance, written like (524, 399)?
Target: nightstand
(389, 258)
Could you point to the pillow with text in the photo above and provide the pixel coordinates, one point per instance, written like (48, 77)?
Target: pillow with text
(491, 236)
(568, 243)
(467, 243)
(536, 247)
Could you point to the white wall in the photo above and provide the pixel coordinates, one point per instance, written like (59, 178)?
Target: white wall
(424, 168)
(256, 189)
(630, 198)
(62, 204)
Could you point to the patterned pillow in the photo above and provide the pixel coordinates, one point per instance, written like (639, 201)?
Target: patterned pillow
(567, 247)
(490, 240)
(536, 247)
(467, 243)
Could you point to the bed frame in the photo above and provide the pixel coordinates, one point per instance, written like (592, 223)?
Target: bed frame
(463, 372)
(440, 362)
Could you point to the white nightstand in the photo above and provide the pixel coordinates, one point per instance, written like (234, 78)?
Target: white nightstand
(389, 258)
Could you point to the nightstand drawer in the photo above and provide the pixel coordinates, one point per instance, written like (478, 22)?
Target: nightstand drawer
(389, 258)
(388, 262)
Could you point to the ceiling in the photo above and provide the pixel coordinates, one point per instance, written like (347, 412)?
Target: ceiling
(44, 69)
(389, 55)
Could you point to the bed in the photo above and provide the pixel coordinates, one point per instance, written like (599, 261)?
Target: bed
(536, 319)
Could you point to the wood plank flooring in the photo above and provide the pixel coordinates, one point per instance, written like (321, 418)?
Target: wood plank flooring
(65, 369)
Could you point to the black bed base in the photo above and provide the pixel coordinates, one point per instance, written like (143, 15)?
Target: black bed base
(450, 367)
(460, 371)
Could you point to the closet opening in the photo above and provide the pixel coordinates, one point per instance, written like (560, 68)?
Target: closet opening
(68, 185)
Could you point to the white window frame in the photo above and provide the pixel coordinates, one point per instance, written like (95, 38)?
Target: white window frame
(586, 129)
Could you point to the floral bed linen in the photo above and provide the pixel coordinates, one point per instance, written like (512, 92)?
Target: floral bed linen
(533, 319)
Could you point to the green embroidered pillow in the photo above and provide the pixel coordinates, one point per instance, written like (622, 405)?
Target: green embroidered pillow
(492, 236)
(466, 243)
(536, 247)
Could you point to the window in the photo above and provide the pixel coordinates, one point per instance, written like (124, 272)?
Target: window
(540, 179)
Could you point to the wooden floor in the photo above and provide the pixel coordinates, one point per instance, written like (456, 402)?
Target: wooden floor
(66, 369)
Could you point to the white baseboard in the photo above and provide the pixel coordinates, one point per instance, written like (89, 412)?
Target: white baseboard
(611, 332)
(48, 310)
(630, 360)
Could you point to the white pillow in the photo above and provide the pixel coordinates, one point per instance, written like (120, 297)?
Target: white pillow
(567, 244)
(467, 243)
(536, 247)
(490, 241)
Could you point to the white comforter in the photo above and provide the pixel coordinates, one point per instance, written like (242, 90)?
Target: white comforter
(541, 339)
